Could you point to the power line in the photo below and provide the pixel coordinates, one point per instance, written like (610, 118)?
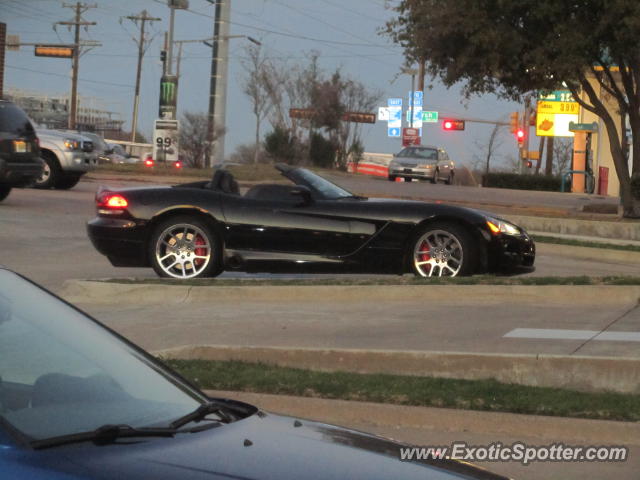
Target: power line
(68, 77)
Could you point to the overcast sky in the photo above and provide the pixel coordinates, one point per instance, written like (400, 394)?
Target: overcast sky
(343, 32)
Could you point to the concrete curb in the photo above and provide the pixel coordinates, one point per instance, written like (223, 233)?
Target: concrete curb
(588, 253)
(589, 374)
(623, 230)
(81, 291)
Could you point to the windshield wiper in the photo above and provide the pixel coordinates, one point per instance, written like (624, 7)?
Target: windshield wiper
(202, 411)
(103, 435)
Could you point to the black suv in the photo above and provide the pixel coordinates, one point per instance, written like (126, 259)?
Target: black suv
(20, 162)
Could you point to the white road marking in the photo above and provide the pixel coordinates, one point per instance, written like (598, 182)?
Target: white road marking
(558, 334)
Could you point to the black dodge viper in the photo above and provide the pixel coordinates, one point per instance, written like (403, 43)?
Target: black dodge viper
(309, 225)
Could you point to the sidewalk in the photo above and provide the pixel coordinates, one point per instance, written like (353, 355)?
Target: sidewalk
(439, 426)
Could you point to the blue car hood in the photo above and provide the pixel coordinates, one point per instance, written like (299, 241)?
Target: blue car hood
(263, 446)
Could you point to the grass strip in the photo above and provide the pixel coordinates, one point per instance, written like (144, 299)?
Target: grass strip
(484, 395)
(390, 280)
(585, 243)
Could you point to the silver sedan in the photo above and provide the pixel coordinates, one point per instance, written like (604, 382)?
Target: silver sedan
(423, 163)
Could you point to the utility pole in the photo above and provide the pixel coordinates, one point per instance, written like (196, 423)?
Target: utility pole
(421, 73)
(218, 80)
(3, 41)
(78, 22)
(143, 17)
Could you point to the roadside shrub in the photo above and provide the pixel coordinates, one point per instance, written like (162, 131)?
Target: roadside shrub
(322, 152)
(280, 145)
(522, 182)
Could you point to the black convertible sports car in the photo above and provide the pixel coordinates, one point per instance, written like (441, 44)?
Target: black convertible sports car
(201, 229)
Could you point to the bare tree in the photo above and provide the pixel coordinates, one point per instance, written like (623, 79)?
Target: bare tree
(193, 138)
(563, 153)
(488, 149)
(257, 85)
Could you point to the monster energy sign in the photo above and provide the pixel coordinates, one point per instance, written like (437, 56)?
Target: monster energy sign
(168, 96)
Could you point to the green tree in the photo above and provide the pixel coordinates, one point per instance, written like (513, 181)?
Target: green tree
(513, 49)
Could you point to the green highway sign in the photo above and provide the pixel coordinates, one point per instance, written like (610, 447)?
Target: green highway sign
(429, 117)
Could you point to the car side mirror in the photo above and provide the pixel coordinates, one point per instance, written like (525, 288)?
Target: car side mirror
(303, 194)
(108, 151)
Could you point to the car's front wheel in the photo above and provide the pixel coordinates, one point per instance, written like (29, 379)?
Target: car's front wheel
(4, 192)
(443, 250)
(449, 180)
(185, 247)
(434, 179)
(391, 178)
(50, 172)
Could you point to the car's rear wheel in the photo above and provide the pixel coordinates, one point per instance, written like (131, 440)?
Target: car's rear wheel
(185, 247)
(443, 250)
(4, 192)
(50, 172)
(67, 182)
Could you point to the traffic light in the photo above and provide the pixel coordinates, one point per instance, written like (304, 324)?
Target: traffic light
(529, 164)
(450, 124)
(514, 122)
(520, 134)
(163, 56)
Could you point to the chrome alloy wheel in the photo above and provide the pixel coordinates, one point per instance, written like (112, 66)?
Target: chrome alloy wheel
(183, 251)
(438, 253)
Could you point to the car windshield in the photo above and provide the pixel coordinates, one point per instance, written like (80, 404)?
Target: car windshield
(62, 373)
(426, 154)
(327, 189)
(13, 120)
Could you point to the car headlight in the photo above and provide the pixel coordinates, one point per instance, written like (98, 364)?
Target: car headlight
(71, 144)
(500, 226)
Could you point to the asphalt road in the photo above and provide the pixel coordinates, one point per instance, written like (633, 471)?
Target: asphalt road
(43, 236)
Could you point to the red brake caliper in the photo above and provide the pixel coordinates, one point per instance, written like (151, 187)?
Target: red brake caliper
(424, 257)
(199, 251)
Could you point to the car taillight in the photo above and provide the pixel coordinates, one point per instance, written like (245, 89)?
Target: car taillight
(177, 164)
(111, 203)
(148, 162)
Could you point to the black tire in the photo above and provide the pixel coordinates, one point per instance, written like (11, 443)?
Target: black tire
(449, 180)
(67, 182)
(197, 227)
(51, 172)
(391, 178)
(434, 179)
(5, 190)
(470, 253)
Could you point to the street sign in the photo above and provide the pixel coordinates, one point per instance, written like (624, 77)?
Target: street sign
(583, 127)
(165, 140)
(395, 117)
(383, 114)
(429, 117)
(393, 131)
(410, 136)
(394, 102)
(417, 98)
(13, 43)
(417, 117)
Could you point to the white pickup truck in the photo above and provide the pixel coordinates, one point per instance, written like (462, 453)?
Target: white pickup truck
(67, 156)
